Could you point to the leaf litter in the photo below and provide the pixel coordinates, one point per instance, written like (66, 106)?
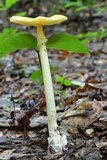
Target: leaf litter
(81, 113)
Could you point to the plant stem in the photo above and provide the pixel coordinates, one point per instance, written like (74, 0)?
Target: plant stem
(55, 140)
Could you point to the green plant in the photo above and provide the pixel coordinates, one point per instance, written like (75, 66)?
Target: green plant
(92, 35)
(90, 5)
(66, 82)
(58, 4)
(7, 32)
(7, 4)
(37, 75)
(57, 41)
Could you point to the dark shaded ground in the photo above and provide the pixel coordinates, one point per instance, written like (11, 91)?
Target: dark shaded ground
(82, 110)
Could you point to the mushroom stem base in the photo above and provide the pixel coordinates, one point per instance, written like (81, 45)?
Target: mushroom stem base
(57, 142)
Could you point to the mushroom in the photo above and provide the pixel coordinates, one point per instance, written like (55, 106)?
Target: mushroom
(56, 141)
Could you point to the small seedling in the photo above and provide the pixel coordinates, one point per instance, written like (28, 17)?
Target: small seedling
(67, 42)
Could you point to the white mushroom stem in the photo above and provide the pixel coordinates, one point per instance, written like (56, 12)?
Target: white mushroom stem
(56, 141)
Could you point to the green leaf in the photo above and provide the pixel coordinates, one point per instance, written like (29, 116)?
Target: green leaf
(1, 4)
(80, 35)
(18, 41)
(82, 8)
(7, 32)
(66, 42)
(53, 68)
(35, 75)
(57, 41)
(63, 81)
(21, 14)
(73, 4)
(67, 82)
(2, 7)
(9, 3)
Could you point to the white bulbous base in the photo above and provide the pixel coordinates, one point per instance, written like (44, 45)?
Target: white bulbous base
(57, 143)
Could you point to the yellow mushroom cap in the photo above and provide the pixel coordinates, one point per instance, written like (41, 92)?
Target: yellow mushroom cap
(43, 21)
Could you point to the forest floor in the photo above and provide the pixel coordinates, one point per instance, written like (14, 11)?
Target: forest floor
(81, 107)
